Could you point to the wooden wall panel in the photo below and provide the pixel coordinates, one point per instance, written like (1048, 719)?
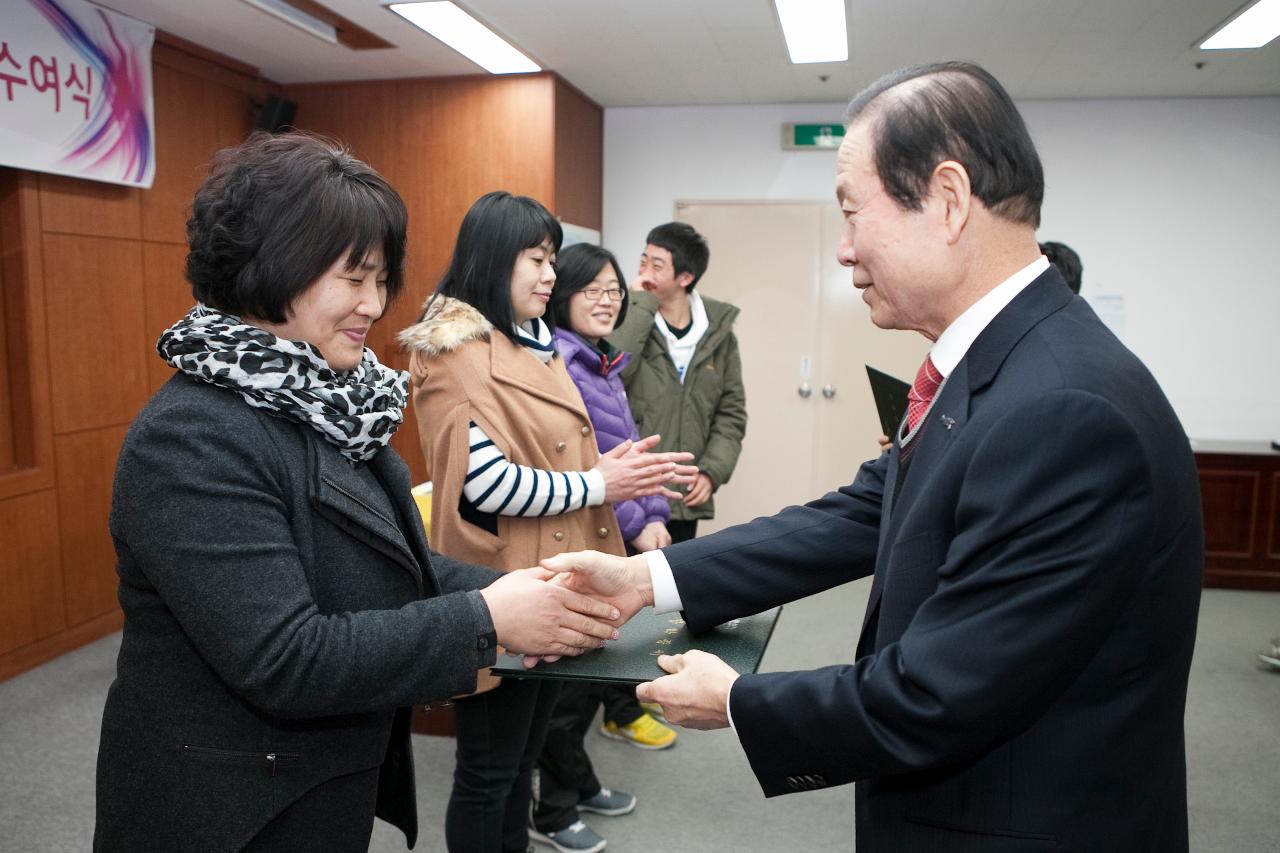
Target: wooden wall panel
(96, 330)
(75, 206)
(8, 186)
(579, 158)
(28, 386)
(168, 298)
(233, 118)
(184, 141)
(31, 606)
(86, 466)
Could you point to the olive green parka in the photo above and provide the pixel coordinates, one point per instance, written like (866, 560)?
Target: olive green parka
(707, 414)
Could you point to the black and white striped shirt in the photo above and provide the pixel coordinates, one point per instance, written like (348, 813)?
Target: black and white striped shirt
(499, 486)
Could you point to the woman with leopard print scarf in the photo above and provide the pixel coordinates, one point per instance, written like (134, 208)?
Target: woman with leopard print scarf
(282, 610)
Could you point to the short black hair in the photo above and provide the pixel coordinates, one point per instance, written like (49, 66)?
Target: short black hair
(688, 248)
(275, 212)
(497, 228)
(1067, 261)
(576, 267)
(956, 111)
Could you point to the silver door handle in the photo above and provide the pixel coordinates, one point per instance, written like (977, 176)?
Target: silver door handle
(828, 391)
(805, 390)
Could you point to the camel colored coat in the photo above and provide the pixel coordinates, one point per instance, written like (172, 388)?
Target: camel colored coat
(462, 372)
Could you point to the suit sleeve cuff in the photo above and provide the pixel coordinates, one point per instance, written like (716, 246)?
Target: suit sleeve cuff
(728, 707)
(486, 645)
(666, 598)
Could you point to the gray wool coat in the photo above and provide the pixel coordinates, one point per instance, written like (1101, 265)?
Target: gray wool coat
(281, 611)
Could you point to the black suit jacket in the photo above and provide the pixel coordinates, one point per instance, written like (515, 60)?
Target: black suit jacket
(1022, 668)
(281, 611)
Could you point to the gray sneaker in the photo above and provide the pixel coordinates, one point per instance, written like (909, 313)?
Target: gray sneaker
(1271, 658)
(610, 803)
(576, 838)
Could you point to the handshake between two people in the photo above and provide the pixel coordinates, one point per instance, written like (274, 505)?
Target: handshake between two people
(584, 598)
(539, 619)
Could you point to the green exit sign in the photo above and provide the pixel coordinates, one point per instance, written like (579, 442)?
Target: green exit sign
(812, 136)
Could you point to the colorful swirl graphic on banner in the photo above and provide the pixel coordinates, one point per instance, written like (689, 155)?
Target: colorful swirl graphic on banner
(116, 137)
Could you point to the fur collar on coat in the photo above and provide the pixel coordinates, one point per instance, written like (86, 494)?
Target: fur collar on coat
(448, 324)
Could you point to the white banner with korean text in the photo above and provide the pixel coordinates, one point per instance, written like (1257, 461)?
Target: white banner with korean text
(75, 91)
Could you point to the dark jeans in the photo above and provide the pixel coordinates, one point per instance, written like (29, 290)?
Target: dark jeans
(335, 815)
(682, 531)
(500, 735)
(565, 774)
(620, 704)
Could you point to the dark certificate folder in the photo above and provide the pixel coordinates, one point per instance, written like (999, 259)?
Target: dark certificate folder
(633, 657)
(890, 394)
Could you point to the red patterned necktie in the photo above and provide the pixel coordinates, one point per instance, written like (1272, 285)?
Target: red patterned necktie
(921, 394)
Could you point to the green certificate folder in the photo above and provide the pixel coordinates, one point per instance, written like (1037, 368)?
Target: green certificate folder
(633, 657)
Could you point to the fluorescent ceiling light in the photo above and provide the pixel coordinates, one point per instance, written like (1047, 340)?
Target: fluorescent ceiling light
(814, 30)
(1256, 26)
(466, 35)
(300, 19)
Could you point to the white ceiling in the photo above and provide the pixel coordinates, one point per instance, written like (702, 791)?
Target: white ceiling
(669, 52)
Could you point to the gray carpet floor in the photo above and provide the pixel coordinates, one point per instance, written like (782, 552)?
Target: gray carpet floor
(698, 796)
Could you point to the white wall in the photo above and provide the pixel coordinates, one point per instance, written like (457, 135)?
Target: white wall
(1173, 205)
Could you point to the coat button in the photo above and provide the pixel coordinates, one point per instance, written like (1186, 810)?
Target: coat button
(603, 532)
(560, 447)
(586, 430)
(792, 783)
(559, 536)
(817, 777)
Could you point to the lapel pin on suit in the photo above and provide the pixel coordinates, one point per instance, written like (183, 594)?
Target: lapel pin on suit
(948, 421)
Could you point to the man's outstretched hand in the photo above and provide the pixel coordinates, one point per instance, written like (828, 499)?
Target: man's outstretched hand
(620, 581)
(696, 693)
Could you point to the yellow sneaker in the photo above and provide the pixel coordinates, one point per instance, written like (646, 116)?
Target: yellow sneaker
(645, 733)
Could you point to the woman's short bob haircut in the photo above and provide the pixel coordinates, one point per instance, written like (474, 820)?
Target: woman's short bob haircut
(497, 228)
(276, 212)
(576, 267)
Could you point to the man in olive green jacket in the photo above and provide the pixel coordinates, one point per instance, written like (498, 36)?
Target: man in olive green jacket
(684, 380)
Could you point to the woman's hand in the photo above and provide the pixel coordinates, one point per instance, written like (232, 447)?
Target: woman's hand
(631, 471)
(533, 617)
(651, 538)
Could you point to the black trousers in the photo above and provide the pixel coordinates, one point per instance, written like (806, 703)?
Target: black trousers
(499, 738)
(682, 531)
(565, 774)
(620, 704)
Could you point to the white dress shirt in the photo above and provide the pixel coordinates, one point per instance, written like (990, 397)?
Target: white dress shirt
(946, 353)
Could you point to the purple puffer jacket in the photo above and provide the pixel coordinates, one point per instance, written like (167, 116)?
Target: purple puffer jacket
(600, 385)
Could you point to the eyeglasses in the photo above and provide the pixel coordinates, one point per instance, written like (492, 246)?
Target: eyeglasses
(593, 293)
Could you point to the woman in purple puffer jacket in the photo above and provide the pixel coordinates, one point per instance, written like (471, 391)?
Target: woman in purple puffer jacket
(583, 316)
(589, 299)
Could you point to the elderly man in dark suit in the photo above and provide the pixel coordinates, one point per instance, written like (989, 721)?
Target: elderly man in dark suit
(1034, 533)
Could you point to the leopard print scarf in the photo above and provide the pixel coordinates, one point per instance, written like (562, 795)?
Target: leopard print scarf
(357, 411)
